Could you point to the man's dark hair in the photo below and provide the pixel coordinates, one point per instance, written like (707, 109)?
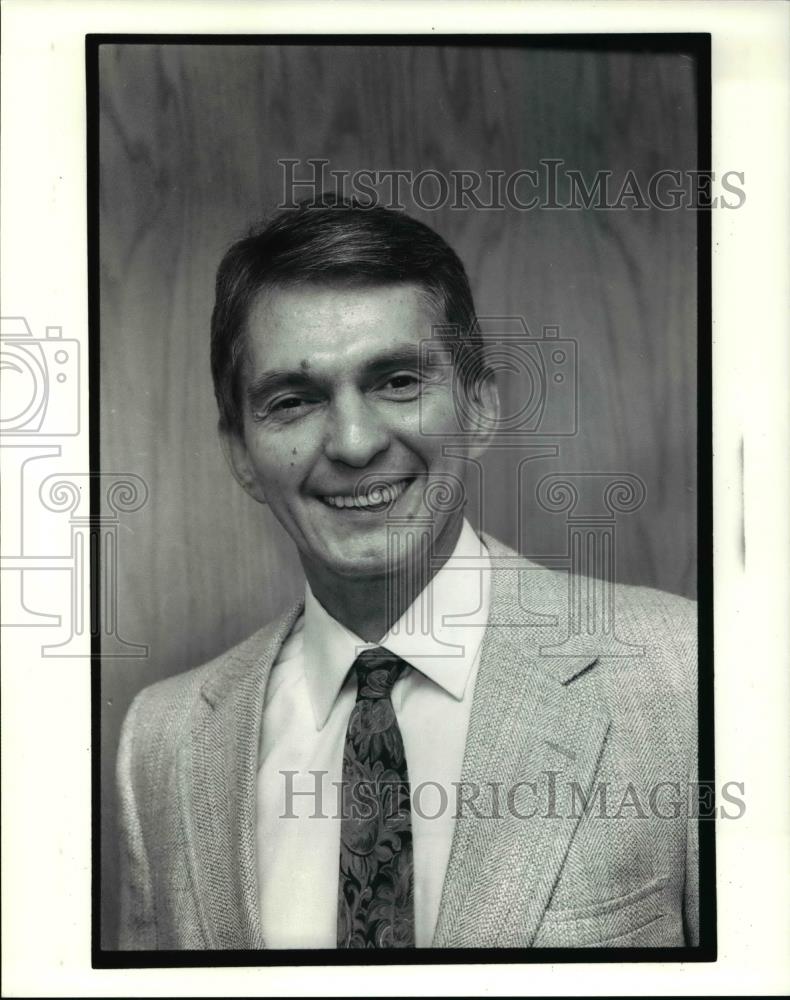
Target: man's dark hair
(334, 240)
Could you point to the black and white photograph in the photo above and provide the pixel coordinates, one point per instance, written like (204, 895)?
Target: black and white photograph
(394, 429)
(401, 341)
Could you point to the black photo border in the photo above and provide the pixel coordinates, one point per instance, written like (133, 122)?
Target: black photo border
(698, 45)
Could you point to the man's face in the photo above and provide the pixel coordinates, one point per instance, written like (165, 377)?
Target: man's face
(337, 400)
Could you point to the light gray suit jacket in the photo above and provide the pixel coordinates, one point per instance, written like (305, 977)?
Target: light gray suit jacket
(593, 744)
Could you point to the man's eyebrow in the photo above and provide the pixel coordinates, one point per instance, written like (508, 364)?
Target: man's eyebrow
(271, 381)
(411, 355)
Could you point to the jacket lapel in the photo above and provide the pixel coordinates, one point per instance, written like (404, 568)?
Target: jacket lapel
(534, 734)
(219, 767)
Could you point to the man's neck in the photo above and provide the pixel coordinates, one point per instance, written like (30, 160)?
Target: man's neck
(369, 606)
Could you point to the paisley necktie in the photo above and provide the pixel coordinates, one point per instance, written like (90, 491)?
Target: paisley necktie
(376, 884)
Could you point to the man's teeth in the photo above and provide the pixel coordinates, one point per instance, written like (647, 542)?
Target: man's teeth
(385, 494)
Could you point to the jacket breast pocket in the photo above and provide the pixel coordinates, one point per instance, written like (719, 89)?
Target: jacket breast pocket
(644, 917)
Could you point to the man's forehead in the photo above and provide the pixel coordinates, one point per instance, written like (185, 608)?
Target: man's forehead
(309, 325)
(349, 297)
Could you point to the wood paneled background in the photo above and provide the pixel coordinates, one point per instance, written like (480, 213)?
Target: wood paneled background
(189, 139)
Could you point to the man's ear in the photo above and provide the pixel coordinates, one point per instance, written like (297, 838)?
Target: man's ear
(235, 451)
(483, 406)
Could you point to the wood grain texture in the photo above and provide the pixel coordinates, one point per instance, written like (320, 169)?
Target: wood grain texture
(189, 139)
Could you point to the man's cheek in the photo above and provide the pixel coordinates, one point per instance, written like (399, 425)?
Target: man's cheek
(277, 455)
(437, 412)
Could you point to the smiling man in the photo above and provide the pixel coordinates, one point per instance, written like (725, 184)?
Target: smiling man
(406, 758)
(344, 426)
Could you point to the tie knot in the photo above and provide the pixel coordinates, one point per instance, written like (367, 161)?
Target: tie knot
(377, 670)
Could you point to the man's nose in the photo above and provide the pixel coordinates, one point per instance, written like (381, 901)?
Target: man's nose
(356, 433)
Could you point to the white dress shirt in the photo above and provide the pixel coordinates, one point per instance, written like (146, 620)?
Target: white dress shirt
(309, 698)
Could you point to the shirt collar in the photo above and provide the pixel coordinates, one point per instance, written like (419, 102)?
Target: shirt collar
(439, 634)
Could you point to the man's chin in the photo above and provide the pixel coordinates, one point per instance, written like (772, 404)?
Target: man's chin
(368, 563)
(381, 553)
(358, 567)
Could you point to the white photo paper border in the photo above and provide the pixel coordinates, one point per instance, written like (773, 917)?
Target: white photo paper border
(46, 703)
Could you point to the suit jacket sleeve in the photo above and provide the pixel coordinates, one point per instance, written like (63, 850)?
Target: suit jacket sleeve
(137, 915)
(691, 888)
(684, 626)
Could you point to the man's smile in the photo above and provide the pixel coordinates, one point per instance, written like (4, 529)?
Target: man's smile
(377, 498)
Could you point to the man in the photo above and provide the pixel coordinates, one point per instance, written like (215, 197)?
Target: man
(409, 757)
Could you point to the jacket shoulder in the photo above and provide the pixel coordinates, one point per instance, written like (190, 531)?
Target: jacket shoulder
(161, 712)
(665, 626)
(657, 628)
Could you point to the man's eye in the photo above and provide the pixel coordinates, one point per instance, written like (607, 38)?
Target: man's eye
(289, 403)
(403, 384)
(285, 408)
